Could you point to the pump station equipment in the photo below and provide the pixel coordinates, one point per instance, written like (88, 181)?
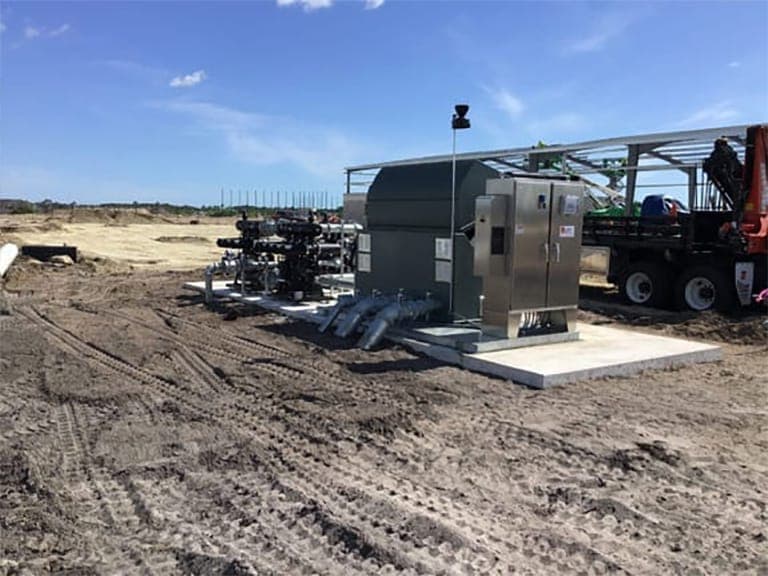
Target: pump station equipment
(527, 248)
(513, 262)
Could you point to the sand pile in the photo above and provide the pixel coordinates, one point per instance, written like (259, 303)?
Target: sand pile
(112, 216)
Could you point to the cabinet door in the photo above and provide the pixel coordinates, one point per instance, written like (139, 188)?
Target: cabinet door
(530, 236)
(565, 244)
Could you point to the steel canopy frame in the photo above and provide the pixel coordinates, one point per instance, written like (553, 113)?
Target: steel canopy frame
(684, 151)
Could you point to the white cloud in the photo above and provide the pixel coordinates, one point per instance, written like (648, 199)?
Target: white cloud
(213, 116)
(718, 113)
(32, 32)
(268, 140)
(593, 42)
(507, 102)
(606, 28)
(188, 80)
(59, 31)
(734, 64)
(309, 5)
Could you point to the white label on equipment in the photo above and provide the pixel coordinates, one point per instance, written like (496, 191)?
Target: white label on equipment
(363, 242)
(570, 205)
(519, 229)
(745, 277)
(567, 231)
(363, 262)
(443, 248)
(443, 271)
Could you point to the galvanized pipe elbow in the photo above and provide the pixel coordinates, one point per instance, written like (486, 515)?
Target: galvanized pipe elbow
(358, 312)
(345, 301)
(393, 314)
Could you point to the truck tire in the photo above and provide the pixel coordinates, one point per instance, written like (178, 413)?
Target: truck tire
(704, 287)
(646, 283)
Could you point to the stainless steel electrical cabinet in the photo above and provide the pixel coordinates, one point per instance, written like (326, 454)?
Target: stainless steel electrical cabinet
(527, 249)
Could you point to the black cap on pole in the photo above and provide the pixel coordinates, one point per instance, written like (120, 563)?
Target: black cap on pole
(459, 121)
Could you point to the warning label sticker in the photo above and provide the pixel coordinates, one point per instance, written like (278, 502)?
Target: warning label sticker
(567, 231)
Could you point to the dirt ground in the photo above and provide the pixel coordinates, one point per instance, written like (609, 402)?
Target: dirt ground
(141, 433)
(138, 239)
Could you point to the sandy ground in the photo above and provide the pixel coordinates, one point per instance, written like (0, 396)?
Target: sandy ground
(143, 434)
(137, 239)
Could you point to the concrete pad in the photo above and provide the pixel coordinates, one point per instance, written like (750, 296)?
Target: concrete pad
(469, 339)
(307, 310)
(599, 351)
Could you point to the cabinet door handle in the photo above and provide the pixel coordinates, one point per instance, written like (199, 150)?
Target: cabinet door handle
(546, 251)
(557, 251)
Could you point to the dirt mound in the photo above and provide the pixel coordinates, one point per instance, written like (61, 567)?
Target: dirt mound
(750, 329)
(113, 216)
(714, 326)
(49, 225)
(27, 274)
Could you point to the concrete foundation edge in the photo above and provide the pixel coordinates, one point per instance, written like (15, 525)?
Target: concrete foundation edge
(469, 362)
(542, 381)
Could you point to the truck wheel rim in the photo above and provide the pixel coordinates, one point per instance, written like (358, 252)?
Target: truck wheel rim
(639, 287)
(700, 293)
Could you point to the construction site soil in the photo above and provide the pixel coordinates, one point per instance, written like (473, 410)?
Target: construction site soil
(141, 433)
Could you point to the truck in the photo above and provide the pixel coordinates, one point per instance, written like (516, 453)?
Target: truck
(710, 255)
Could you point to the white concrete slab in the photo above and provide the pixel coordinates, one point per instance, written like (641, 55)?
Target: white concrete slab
(309, 310)
(468, 339)
(600, 350)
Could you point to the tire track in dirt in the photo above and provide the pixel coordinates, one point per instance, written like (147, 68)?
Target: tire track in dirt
(187, 357)
(277, 355)
(610, 522)
(355, 527)
(100, 359)
(544, 542)
(117, 509)
(289, 540)
(30, 417)
(74, 345)
(122, 509)
(530, 540)
(273, 362)
(307, 466)
(229, 536)
(663, 468)
(262, 510)
(521, 499)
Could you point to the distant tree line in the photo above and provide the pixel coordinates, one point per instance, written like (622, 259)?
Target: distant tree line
(18, 206)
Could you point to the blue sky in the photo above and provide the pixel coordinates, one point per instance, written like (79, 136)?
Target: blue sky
(171, 101)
